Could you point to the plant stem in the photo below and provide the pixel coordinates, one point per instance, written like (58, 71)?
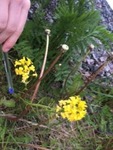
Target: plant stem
(74, 69)
(92, 77)
(48, 70)
(42, 69)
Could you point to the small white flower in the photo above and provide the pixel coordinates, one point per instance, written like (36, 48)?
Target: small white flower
(60, 65)
(91, 46)
(48, 31)
(64, 47)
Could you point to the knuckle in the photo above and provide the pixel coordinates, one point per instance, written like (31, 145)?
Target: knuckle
(11, 29)
(3, 24)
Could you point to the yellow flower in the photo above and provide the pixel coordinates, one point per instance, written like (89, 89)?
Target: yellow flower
(25, 68)
(82, 105)
(16, 71)
(24, 78)
(17, 63)
(34, 74)
(58, 108)
(72, 109)
(62, 102)
(22, 61)
(32, 68)
(28, 62)
(19, 71)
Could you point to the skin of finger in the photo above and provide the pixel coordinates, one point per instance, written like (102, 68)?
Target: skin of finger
(4, 4)
(10, 42)
(13, 20)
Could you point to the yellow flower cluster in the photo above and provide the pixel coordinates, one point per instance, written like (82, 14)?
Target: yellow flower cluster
(72, 109)
(25, 68)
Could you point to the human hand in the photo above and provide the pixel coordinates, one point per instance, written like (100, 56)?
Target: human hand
(13, 16)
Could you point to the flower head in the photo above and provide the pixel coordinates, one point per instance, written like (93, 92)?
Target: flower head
(25, 68)
(72, 109)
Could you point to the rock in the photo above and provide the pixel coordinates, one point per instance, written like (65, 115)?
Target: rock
(106, 13)
(99, 55)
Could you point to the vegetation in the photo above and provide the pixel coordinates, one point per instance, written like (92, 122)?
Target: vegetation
(28, 118)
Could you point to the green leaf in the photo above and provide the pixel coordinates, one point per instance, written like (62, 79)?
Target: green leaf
(9, 103)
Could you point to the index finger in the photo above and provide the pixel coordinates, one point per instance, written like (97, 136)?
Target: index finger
(10, 42)
(4, 4)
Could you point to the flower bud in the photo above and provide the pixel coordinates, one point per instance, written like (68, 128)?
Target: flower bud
(64, 48)
(48, 31)
(91, 47)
